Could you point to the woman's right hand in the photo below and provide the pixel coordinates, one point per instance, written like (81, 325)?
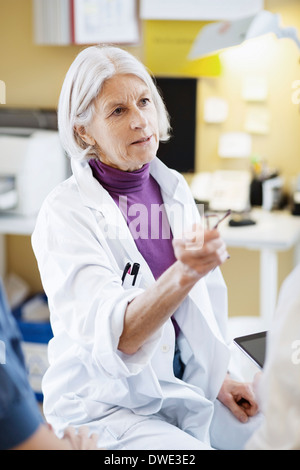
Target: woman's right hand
(200, 252)
(197, 255)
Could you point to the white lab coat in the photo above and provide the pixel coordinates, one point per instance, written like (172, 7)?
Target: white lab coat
(279, 387)
(82, 243)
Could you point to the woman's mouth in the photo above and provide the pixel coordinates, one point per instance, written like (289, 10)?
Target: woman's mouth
(142, 141)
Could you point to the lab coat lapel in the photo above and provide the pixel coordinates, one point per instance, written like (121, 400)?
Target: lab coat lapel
(110, 219)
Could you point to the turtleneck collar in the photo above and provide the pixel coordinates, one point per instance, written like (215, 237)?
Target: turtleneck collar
(118, 181)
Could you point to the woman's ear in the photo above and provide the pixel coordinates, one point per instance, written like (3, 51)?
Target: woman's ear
(81, 132)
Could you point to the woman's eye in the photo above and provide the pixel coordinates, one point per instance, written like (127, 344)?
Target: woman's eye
(145, 101)
(118, 111)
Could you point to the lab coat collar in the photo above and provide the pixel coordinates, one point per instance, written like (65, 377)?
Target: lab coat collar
(162, 174)
(96, 197)
(92, 194)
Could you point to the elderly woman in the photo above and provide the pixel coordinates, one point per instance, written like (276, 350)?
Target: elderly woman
(138, 309)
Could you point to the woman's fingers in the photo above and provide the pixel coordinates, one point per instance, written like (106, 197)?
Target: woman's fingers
(201, 257)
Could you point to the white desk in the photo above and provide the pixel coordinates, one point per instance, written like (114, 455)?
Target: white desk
(273, 232)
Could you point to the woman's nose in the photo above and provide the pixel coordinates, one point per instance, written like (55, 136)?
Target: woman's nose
(138, 120)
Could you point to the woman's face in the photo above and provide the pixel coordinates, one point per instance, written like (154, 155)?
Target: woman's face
(125, 126)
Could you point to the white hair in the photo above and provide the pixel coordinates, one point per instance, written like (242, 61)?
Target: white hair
(82, 85)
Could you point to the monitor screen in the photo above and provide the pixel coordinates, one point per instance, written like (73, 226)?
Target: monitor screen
(180, 97)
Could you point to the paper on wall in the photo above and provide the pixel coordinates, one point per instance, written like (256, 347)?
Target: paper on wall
(105, 21)
(215, 110)
(220, 35)
(258, 120)
(235, 145)
(255, 88)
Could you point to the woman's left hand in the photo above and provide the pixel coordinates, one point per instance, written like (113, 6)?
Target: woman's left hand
(239, 398)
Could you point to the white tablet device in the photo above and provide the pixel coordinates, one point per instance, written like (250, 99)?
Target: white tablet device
(254, 346)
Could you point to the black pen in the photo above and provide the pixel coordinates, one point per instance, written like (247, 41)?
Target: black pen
(134, 272)
(126, 269)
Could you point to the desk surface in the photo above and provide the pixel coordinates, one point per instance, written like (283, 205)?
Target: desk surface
(278, 230)
(16, 225)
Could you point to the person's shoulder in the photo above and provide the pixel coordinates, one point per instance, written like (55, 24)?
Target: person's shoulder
(62, 198)
(63, 190)
(58, 206)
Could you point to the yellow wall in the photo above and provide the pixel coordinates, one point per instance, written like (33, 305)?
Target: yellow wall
(279, 62)
(34, 75)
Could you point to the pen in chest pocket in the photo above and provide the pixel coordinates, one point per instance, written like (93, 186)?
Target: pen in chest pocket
(134, 272)
(126, 269)
(131, 271)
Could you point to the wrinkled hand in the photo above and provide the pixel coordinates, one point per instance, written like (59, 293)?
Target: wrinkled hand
(239, 398)
(79, 439)
(201, 251)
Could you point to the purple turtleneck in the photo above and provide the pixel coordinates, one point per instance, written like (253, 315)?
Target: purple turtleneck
(138, 196)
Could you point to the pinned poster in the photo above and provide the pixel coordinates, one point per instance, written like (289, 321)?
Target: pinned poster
(258, 120)
(235, 145)
(105, 21)
(167, 46)
(255, 88)
(215, 110)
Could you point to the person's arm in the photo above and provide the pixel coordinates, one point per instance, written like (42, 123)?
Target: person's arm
(45, 439)
(150, 310)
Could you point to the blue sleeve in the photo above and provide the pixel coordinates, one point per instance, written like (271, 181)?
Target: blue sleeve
(19, 414)
(20, 422)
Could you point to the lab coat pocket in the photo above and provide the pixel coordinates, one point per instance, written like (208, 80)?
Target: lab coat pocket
(124, 422)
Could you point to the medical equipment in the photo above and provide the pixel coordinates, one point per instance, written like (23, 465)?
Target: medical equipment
(32, 163)
(222, 190)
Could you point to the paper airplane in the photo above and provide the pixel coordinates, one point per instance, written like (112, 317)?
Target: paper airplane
(219, 35)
